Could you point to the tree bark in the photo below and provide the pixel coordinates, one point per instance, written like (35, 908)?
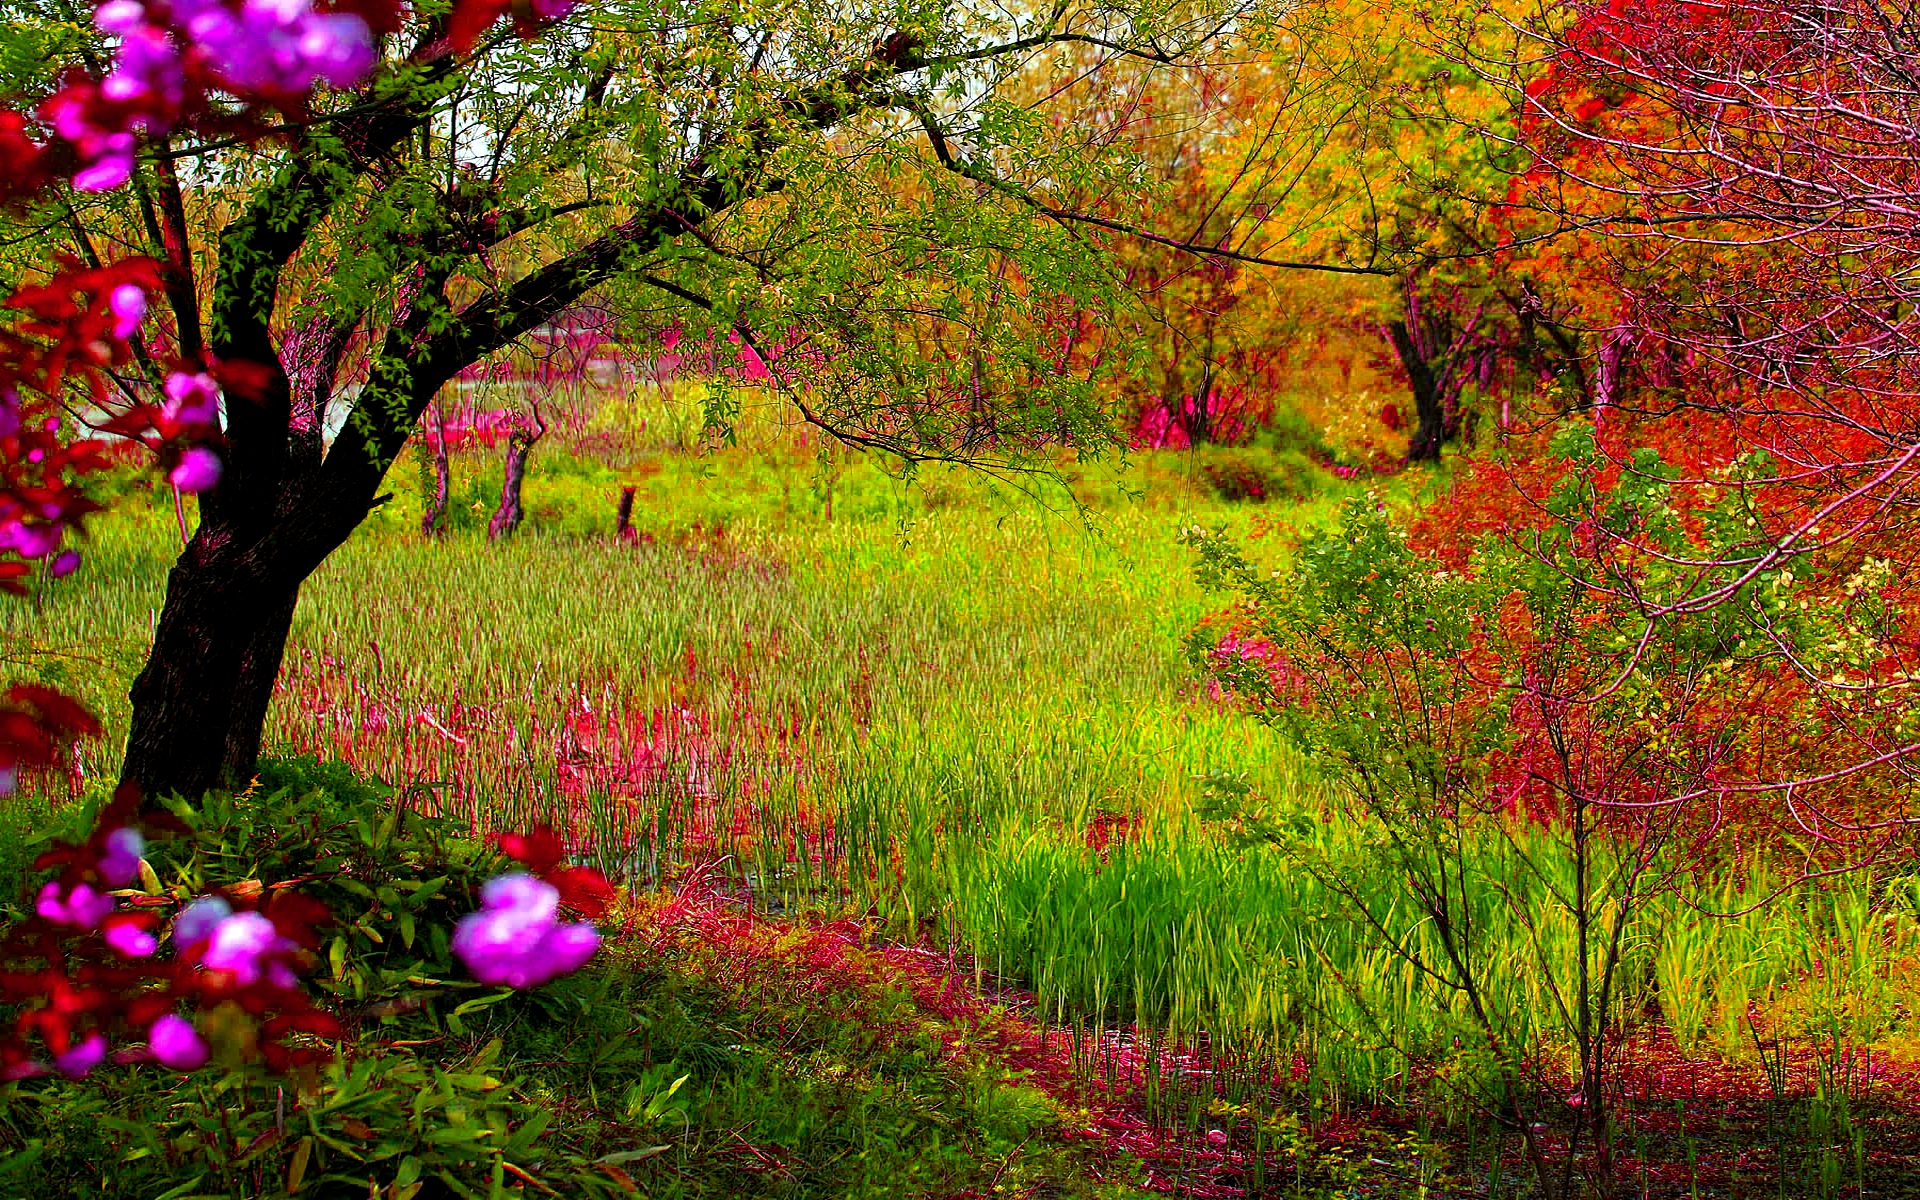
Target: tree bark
(200, 705)
(1430, 413)
(623, 523)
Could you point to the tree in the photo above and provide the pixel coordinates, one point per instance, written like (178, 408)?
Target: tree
(737, 168)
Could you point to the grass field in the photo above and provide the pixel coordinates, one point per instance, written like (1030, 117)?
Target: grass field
(960, 715)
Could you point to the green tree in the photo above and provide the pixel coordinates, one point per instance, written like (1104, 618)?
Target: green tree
(813, 185)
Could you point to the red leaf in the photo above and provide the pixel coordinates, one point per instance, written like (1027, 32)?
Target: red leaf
(584, 890)
(470, 19)
(540, 851)
(245, 379)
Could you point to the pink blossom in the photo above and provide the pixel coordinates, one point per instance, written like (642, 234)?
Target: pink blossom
(65, 564)
(129, 306)
(191, 399)
(130, 940)
(31, 541)
(147, 69)
(176, 1044)
(240, 944)
(83, 906)
(81, 1059)
(199, 470)
(107, 152)
(516, 938)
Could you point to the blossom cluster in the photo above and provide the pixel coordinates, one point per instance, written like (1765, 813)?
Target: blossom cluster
(517, 937)
(273, 48)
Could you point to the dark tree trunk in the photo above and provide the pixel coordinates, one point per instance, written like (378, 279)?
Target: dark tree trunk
(506, 519)
(200, 705)
(623, 523)
(1430, 428)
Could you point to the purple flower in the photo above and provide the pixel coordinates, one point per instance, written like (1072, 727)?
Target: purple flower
(112, 167)
(240, 944)
(191, 399)
(65, 564)
(120, 864)
(337, 47)
(129, 306)
(280, 45)
(82, 906)
(120, 16)
(130, 941)
(80, 1059)
(146, 69)
(176, 1044)
(199, 470)
(198, 920)
(31, 541)
(515, 938)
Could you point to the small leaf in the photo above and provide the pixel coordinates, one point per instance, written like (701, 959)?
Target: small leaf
(622, 1157)
(297, 1169)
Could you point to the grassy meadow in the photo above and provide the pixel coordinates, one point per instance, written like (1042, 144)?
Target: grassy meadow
(958, 715)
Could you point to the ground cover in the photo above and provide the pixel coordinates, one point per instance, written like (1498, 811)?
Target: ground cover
(943, 751)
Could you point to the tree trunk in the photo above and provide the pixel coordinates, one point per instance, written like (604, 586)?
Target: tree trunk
(623, 524)
(200, 704)
(506, 519)
(1430, 413)
(434, 522)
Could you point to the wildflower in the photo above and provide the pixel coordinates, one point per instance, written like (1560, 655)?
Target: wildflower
(516, 938)
(198, 471)
(65, 564)
(176, 1044)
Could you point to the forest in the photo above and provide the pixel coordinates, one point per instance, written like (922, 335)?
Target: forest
(1046, 598)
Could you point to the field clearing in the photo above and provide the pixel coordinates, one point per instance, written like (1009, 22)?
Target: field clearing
(967, 724)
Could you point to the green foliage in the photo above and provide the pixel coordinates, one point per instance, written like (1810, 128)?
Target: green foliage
(642, 1068)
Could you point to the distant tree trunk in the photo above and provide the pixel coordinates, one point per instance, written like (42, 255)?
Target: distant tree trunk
(1430, 413)
(506, 519)
(623, 525)
(1440, 354)
(433, 522)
